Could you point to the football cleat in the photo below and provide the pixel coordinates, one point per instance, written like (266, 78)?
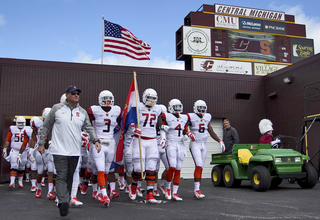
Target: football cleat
(11, 185)
(50, 195)
(114, 194)
(168, 194)
(132, 196)
(197, 194)
(121, 187)
(105, 201)
(176, 197)
(27, 180)
(139, 193)
(150, 198)
(94, 194)
(84, 189)
(162, 189)
(33, 189)
(99, 197)
(20, 185)
(156, 193)
(127, 189)
(75, 202)
(43, 184)
(38, 193)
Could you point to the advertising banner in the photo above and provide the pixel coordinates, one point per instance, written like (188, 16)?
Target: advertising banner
(249, 12)
(301, 49)
(251, 24)
(221, 66)
(262, 69)
(251, 46)
(223, 21)
(196, 41)
(274, 27)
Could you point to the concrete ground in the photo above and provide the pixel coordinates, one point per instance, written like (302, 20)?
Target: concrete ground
(288, 201)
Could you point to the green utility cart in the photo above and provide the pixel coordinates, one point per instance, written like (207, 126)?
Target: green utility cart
(263, 165)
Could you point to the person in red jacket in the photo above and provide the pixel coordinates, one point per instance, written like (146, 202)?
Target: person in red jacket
(266, 129)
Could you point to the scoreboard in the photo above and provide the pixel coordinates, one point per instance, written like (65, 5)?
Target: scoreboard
(267, 40)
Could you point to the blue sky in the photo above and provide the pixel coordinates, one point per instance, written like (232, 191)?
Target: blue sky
(71, 30)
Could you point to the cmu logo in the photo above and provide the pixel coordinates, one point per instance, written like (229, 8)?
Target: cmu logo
(207, 65)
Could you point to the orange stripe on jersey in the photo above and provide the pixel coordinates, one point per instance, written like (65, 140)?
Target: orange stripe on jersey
(9, 136)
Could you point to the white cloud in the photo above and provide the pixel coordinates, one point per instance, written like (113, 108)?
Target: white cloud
(126, 61)
(312, 23)
(2, 20)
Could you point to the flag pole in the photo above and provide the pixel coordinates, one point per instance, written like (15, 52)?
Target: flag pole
(138, 121)
(102, 39)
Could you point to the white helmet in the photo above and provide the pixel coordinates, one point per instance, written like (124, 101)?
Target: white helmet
(63, 98)
(149, 97)
(32, 119)
(175, 106)
(20, 122)
(45, 112)
(106, 98)
(265, 125)
(200, 107)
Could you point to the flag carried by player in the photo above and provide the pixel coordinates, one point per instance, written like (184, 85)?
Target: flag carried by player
(119, 40)
(129, 116)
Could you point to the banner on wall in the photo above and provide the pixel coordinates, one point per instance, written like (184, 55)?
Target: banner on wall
(221, 66)
(262, 69)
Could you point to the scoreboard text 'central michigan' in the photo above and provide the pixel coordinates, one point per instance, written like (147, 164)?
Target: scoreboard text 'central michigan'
(230, 39)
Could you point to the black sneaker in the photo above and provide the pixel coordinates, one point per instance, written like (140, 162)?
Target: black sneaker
(64, 209)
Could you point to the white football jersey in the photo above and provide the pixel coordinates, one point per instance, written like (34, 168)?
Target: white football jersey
(37, 124)
(176, 126)
(17, 136)
(28, 132)
(148, 118)
(199, 126)
(104, 122)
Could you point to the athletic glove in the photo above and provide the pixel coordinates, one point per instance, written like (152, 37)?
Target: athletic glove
(223, 147)
(31, 157)
(19, 159)
(164, 127)
(4, 152)
(163, 143)
(191, 136)
(137, 131)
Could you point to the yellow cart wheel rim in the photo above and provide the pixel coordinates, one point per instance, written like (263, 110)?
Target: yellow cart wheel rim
(215, 176)
(227, 176)
(256, 179)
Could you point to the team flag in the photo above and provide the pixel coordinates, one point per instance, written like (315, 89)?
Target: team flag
(119, 40)
(129, 116)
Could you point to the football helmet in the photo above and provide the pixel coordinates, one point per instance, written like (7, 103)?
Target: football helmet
(200, 107)
(32, 119)
(175, 106)
(45, 113)
(163, 108)
(149, 97)
(106, 98)
(63, 98)
(20, 122)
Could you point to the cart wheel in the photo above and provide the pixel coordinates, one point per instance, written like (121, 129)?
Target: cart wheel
(312, 177)
(216, 175)
(228, 177)
(260, 178)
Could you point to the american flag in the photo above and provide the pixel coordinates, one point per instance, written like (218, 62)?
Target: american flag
(121, 41)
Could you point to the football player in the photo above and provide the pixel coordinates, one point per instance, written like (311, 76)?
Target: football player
(105, 117)
(175, 150)
(199, 124)
(149, 117)
(17, 157)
